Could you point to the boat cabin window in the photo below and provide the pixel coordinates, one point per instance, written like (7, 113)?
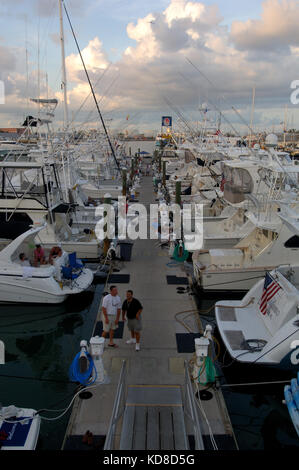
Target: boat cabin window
(293, 242)
(265, 233)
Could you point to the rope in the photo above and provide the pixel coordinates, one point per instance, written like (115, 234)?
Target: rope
(199, 404)
(227, 282)
(249, 384)
(237, 306)
(56, 417)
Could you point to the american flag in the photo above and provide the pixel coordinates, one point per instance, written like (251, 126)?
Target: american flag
(270, 289)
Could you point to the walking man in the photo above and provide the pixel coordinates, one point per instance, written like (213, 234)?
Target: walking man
(111, 307)
(133, 308)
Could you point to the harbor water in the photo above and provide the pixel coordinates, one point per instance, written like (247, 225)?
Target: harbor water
(259, 418)
(143, 146)
(41, 342)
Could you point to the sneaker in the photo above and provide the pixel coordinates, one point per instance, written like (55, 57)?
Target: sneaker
(131, 341)
(137, 346)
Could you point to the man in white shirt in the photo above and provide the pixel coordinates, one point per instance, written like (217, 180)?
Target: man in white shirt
(111, 308)
(23, 260)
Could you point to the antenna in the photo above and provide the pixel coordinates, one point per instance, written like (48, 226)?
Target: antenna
(63, 83)
(252, 114)
(38, 66)
(27, 70)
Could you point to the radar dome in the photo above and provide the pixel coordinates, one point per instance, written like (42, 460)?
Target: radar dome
(271, 140)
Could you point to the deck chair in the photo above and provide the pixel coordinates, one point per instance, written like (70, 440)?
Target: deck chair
(75, 263)
(74, 269)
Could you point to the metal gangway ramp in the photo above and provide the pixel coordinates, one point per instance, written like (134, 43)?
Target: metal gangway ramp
(153, 417)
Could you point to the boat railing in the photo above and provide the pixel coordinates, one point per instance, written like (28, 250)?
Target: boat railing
(118, 409)
(191, 410)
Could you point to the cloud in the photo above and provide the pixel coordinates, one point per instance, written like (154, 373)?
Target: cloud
(95, 61)
(7, 61)
(55, 37)
(194, 12)
(153, 77)
(277, 28)
(47, 8)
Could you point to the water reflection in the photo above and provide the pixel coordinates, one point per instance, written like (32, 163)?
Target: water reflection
(40, 344)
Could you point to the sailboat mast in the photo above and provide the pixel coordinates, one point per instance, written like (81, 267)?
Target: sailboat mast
(63, 85)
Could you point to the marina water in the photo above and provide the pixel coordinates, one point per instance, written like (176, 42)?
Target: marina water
(41, 342)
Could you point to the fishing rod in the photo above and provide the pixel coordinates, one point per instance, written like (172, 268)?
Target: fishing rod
(212, 84)
(91, 87)
(87, 96)
(227, 121)
(180, 115)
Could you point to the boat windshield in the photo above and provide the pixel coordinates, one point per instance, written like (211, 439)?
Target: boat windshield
(237, 183)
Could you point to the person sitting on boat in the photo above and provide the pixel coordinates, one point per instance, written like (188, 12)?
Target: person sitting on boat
(91, 201)
(23, 260)
(39, 255)
(55, 252)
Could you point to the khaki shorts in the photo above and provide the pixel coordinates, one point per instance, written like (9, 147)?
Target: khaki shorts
(134, 324)
(111, 325)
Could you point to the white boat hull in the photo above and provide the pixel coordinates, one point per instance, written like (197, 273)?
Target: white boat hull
(231, 279)
(17, 289)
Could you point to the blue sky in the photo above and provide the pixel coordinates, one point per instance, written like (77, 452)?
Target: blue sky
(225, 41)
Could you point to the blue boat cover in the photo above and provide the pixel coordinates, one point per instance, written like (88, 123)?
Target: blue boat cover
(16, 432)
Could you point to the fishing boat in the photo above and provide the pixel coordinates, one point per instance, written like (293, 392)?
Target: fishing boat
(262, 327)
(50, 284)
(31, 194)
(265, 241)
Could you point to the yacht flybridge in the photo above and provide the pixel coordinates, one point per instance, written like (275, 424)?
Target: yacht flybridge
(26, 283)
(30, 193)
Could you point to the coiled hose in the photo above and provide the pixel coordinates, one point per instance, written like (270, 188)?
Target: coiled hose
(83, 378)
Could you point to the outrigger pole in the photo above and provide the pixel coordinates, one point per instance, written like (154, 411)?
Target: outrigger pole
(91, 87)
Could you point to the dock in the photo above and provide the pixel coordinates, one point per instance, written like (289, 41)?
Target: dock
(149, 401)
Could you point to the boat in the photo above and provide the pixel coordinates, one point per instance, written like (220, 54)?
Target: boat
(19, 428)
(50, 284)
(30, 194)
(260, 328)
(291, 394)
(265, 241)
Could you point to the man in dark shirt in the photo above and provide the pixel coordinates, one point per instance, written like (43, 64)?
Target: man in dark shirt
(132, 308)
